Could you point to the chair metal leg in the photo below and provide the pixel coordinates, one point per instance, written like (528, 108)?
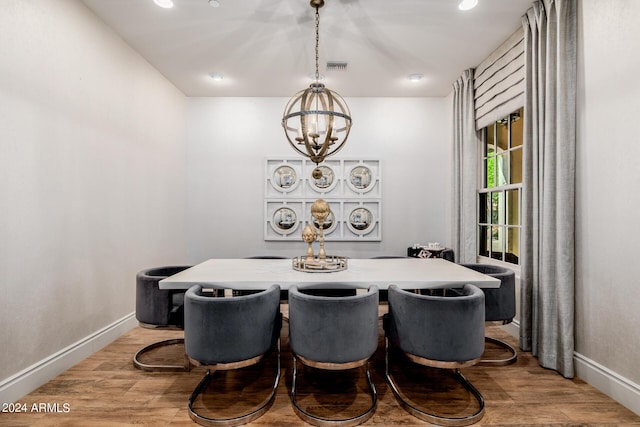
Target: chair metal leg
(160, 368)
(255, 413)
(432, 417)
(500, 362)
(321, 421)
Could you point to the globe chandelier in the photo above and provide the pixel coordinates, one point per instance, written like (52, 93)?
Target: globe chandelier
(317, 120)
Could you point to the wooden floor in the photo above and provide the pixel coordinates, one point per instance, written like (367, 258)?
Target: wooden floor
(106, 390)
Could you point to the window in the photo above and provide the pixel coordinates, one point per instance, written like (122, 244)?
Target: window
(499, 198)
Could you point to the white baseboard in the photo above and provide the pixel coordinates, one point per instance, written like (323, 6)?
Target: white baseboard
(619, 388)
(513, 328)
(27, 380)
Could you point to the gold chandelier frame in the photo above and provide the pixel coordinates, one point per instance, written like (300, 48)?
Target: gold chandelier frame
(317, 120)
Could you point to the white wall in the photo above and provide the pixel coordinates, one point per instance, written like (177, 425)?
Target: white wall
(229, 139)
(608, 183)
(92, 177)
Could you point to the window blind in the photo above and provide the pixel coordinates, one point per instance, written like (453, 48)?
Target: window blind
(499, 81)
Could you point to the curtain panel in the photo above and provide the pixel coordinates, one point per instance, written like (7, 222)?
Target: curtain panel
(547, 265)
(465, 169)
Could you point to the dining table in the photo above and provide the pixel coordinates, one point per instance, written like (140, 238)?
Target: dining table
(257, 274)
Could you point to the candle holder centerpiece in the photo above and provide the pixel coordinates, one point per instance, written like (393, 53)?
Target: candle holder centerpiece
(322, 263)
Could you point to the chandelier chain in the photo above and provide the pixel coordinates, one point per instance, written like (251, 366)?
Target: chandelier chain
(317, 43)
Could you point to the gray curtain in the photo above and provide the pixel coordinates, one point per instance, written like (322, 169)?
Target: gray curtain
(547, 264)
(465, 169)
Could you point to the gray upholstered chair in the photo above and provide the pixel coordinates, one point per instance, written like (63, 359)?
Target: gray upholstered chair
(159, 309)
(500, 306)
(224, 333)
(447, 254)
(333, 333)
(440, 332)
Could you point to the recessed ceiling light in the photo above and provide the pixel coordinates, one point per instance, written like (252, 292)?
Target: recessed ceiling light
(216, 76)
(214, 3)
(167, 4)
(467, 4)
(415, 77)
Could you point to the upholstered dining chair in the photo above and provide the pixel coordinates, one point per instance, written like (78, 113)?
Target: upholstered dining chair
(436, 331)
(333, 333)
(500, 306)
(447, 254)
(224, 333)
(159, 309)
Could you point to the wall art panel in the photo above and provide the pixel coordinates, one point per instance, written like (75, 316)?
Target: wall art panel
(352, 187)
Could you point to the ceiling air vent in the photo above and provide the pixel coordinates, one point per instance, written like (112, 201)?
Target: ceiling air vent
(336, 66)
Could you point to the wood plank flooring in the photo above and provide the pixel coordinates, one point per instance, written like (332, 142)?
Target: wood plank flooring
(106, 390)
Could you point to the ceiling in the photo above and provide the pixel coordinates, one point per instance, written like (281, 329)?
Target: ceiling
(266, 47)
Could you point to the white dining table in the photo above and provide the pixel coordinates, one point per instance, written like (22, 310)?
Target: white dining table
(257, 274)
